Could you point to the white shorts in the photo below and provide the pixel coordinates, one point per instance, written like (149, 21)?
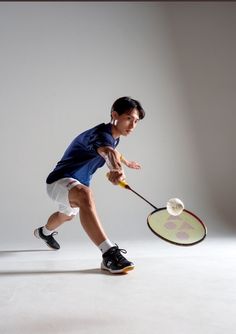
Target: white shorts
(58, 191)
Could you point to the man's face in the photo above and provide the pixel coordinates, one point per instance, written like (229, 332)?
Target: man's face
(127, 122)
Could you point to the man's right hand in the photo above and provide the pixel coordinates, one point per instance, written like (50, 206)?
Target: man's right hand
(115, 176)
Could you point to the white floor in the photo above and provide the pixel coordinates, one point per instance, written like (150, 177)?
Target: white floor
(172, 290)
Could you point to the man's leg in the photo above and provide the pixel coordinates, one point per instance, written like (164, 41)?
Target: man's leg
(47, 232)
(56, 220)
(113, 261)
(81, 196)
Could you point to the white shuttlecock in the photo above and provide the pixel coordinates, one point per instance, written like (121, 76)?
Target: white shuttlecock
(175, 206)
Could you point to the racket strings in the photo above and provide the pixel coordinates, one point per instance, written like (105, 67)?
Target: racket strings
(185, 229)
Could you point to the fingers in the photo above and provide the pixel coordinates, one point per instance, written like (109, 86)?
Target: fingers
(116, 176)
(134, 165)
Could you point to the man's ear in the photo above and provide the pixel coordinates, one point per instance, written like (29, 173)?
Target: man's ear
(114, 115)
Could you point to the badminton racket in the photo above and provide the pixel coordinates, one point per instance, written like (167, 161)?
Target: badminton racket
(185, 229)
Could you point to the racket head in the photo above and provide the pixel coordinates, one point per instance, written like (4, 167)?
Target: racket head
(184, 230)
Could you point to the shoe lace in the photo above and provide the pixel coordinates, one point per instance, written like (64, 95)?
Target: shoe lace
(53, 233)
(116, 251)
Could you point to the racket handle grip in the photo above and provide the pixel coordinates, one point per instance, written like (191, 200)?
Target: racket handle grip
(122, 183)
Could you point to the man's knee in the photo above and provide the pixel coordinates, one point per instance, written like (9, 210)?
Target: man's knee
(81, 197)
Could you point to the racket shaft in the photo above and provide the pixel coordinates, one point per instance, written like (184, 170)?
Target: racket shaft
(125, 185)
(142, 197)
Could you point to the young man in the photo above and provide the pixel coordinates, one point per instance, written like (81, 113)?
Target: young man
(69, 183)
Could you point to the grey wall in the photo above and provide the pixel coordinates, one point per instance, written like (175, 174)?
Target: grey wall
(63, 64)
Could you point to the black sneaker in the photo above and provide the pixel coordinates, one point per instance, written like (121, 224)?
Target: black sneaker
(50, 241)
(115, 262)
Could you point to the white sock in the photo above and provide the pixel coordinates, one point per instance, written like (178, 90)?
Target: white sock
(105, 245)
(46, 231)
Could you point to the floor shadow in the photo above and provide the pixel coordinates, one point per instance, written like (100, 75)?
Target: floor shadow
(89, 271)
(13, 251)
(92, 271)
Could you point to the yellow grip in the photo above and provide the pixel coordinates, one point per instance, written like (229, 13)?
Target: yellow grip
(123, 184)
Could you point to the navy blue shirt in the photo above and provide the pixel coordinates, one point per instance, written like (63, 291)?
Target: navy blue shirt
(81, 158)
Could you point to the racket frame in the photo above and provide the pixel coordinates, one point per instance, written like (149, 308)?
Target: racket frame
(174, 242)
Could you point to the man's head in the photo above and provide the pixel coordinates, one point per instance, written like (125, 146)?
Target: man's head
(125, 114)
(125, 105)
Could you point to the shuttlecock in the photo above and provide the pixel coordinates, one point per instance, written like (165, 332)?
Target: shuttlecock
(175, 206)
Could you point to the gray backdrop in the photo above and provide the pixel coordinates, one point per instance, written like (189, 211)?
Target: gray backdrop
(63, 65)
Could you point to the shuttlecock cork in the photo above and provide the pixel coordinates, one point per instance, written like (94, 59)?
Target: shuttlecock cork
(175, 206)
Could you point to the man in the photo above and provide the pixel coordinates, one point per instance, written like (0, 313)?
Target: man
(69, 183)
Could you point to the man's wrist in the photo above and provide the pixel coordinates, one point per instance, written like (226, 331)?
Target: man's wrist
(116, 169)
(122, 158)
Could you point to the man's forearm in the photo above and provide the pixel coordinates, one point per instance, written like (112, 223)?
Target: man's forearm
(111, 157)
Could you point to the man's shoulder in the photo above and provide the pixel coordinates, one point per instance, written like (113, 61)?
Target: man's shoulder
(102, 127)
(102, 130)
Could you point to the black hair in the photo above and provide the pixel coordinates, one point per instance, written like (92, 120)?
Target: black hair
(126, 104)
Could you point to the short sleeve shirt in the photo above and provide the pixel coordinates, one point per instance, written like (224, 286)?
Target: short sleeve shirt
(81, 159)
